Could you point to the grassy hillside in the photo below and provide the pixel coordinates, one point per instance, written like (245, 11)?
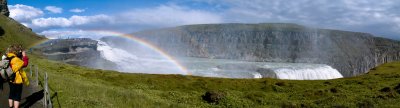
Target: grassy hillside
(82, 87)
(12, 32)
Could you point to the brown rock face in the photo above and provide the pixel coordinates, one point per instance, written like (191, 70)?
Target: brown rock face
(4, 8)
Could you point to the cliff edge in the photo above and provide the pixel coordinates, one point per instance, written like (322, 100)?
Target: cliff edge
(352, 53)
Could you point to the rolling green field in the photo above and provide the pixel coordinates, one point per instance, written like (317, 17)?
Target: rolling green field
(82, 87)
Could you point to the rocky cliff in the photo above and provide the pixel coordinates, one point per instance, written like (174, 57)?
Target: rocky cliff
(77, 51)
(4, 8)
(352, 53)
(68, 45)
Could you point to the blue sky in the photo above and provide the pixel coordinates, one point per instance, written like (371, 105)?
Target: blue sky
(55, 18)
(92, 6)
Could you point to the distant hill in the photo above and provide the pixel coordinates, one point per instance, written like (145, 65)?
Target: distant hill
(12, 32)
(352, 53)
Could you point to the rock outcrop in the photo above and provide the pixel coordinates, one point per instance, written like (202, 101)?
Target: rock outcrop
(4, 8)
(68, 45)
(352, 53)
(77, 51)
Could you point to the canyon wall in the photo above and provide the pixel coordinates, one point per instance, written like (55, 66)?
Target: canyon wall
(352, 53)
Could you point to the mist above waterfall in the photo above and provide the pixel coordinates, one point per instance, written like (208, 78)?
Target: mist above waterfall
(130, 56)
(301, 71)
(133, 57)
(136, 58)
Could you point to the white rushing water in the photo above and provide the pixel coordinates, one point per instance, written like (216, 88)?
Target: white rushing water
(243, 69)
(143, 63)
(302, 71)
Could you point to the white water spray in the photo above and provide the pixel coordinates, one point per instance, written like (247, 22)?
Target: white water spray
(140, 59)
(143, 63)
(243, 69)
(301, 71)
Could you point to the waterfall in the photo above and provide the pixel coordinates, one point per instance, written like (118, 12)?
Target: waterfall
(308, 72)
(137, 63)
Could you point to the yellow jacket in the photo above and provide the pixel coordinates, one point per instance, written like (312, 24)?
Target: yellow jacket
(16, 66)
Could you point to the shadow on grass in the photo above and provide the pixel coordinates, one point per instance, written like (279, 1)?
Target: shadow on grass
(32, 99)
(1, 31)
(55, 95)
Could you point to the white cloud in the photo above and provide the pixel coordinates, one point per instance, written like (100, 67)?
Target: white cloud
(377, 17)
(25, 24)
(321, 12)
(54, 9)
(169, 15)
(161, 16)
(72, 21)
(362, 16)
(24, 13)
(68, 33)
(77, 10)
(46, 22)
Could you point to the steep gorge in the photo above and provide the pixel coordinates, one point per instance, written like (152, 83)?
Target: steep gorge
(352, 53)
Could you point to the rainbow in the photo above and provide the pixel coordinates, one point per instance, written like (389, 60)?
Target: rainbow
(146, 44)
(37, 43)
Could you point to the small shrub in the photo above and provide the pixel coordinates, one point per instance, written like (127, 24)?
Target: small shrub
(366, 104)
(213, 96)
(394, 76)
(391, 66)
(380, 97)
(1, 31)
(280, 84)
(339, 106)
(289, 105)
(386, 89)
(397, 88)
(327, 83)
(277, 88)
(333, 90)
(391, 95)
(256, 97)
(319, 93)
(296, 105)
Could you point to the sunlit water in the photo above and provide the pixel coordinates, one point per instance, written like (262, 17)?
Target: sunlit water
(243, 69)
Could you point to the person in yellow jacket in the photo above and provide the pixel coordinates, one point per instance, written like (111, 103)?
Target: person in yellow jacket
(20, 77)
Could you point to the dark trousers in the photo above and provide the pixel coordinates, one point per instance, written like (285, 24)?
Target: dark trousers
(15, 91)
(1, 82)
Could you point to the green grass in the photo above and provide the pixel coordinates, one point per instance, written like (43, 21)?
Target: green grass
(83, 87)
(16, 33)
